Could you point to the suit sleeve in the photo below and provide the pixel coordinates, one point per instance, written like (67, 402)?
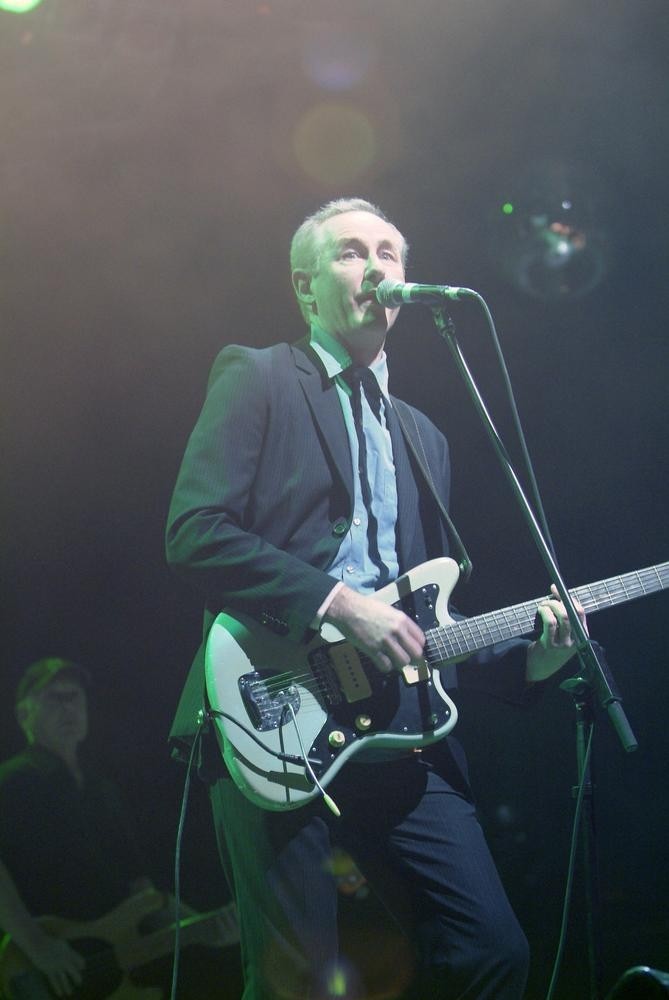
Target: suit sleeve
(210, 541)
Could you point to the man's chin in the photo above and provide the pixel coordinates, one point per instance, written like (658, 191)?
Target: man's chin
(365, 343)
(376, 321)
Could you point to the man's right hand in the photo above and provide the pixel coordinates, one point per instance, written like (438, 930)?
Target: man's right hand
(388, 636)
(58, 961)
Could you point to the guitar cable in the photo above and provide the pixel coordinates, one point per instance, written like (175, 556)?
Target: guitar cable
(301, 761)
(177, 854)
(329, 801)
(289, 758)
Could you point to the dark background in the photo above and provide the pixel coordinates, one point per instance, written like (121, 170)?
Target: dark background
(156, 157)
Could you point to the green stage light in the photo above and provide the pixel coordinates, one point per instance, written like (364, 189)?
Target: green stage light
(19, 6)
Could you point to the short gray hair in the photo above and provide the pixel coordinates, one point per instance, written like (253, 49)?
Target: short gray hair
(303, 253)
(304, 244)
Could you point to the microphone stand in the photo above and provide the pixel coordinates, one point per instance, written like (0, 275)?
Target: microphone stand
(595, 679)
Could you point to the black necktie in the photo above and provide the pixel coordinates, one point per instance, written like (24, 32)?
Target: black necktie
(357, 376)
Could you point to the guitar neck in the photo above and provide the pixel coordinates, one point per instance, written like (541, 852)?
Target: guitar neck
(458, 639)
(148, 947)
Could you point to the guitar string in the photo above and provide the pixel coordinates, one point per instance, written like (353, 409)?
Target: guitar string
(445, 639)
(452, 639)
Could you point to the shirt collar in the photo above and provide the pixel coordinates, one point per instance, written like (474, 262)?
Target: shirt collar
(336, 358)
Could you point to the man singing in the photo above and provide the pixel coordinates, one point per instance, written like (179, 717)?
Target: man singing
(297, 499)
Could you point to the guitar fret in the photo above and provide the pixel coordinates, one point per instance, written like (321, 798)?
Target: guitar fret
(244, 688)
(620, 589)
(457, 638)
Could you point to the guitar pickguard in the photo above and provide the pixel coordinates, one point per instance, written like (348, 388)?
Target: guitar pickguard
(280, 700)
(362, 701)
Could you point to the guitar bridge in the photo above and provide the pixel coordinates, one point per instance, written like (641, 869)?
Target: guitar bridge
(266, 699)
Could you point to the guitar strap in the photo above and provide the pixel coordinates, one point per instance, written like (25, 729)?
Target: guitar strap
(465, 562)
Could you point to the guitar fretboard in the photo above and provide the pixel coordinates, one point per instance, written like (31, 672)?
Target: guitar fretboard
(447, 642)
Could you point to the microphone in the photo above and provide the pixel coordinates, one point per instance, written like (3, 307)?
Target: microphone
(391, 293)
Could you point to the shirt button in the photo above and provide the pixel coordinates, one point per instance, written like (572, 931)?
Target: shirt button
(356, 521)
(350, 569)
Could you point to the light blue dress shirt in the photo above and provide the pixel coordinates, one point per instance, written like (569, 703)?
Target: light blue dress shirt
(354, 563)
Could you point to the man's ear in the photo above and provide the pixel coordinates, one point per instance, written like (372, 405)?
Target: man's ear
(302, 286)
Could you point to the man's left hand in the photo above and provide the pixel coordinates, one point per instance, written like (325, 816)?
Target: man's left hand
(555, 646)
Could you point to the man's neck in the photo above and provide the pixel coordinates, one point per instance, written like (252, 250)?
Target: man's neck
(70, 757)
(363, 353)
(74, 767)
(362, 350)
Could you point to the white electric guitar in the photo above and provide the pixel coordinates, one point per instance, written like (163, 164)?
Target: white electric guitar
(289, 716)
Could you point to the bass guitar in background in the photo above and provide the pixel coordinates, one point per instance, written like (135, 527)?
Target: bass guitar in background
(113, 947)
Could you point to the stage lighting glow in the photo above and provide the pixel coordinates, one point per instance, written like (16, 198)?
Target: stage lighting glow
(337, 986)
(334, 143)
(551, 239)
(19, 6)
(341, 981)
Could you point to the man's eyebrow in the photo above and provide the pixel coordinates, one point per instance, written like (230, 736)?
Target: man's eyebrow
(347, 241)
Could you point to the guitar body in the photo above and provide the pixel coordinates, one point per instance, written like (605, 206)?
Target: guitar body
(327, 691)
(275, 702)
(112, 947)
(105, 976)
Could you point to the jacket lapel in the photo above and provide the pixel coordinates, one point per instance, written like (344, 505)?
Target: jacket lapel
(323, 401)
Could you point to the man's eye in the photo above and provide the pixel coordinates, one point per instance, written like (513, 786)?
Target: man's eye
(388, 255)
(350, 254)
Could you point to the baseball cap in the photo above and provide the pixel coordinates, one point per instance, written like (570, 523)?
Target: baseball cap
(42, 672)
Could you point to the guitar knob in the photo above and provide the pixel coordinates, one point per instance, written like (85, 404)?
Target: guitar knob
(336, 738)
(363, 723)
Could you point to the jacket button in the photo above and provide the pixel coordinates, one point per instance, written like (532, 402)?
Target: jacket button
(340, 527)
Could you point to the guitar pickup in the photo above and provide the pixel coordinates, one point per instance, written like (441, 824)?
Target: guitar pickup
(350, 672)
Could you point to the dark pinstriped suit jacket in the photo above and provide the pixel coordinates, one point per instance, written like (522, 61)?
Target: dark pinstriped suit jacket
(264, 494)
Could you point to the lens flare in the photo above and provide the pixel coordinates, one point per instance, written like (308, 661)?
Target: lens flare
(334, 143)
(334, 57)
(552, 239)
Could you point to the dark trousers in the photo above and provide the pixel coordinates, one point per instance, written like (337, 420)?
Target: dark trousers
(411, 826)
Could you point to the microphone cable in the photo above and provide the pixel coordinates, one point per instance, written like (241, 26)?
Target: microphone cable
(576, 826)
(527, 461)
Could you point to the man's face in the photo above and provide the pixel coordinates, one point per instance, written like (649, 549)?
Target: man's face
(356, 251)
(56, 717)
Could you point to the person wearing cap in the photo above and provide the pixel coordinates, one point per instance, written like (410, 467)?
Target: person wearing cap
(67, 839)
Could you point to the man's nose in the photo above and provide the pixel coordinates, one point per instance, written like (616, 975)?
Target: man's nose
(375, 268)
